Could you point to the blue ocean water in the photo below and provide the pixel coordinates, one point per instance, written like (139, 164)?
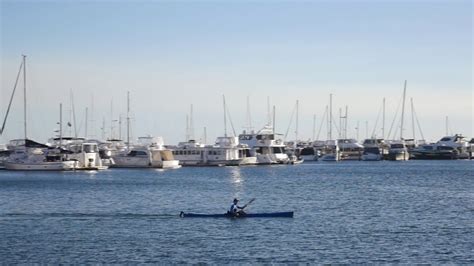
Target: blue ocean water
(345, 212)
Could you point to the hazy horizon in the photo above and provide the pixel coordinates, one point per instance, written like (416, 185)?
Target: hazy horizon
(171, 55)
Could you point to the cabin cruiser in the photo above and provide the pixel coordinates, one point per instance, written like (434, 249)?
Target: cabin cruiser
(227, 151)
(350, 149)
(449, 147)
(84, 152)
(330, 152)
(34, 156)
(4, 154)
(371, 154)
(266, 145)
(309, 154)
(149, 152)
(374, 149)
(397, 151)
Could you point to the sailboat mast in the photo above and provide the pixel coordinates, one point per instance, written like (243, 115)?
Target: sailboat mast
(297, 117)
(330, 116)
(447, 126)
(225, 117)
(128, 120)
(24, 95)
(191, 124)
(249, 116)
(60, 125)
(413, 119)
(403, 110)
(345, 123)
(314, 126)
(383, 118)
(274, 114)
(85, 128)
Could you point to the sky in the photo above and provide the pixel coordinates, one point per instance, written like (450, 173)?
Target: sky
(171, 54)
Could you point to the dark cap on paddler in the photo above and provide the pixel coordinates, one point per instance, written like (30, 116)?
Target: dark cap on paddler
(236, 200)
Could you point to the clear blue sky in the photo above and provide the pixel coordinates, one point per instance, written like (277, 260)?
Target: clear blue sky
(170, 55)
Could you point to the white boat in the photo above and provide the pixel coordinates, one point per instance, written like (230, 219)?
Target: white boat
(397, 151)
(227, 151)
(350, 149)
(309, 154)
(38, 158)
(448, 147)
(85, 153)
(374, 149)
(32, 156)
(148, 153)
(330, 151)
(371, 154)
(266, 146)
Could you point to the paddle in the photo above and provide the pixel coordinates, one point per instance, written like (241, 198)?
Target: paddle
(248, 203)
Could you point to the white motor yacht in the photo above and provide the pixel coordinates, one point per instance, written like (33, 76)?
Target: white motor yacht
(397, 151)
(150, 152)
(267, 146)
(448, 147)
(34, 156)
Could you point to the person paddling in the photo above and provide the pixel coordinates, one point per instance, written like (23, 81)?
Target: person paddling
(237, 210)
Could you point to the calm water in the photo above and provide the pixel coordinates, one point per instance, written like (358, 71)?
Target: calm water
(346, 212)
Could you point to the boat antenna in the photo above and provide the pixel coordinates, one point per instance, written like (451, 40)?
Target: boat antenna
(11, 98)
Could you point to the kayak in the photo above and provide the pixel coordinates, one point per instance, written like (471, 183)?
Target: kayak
(247, 215)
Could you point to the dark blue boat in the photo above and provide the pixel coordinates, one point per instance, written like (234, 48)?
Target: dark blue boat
(247, 215)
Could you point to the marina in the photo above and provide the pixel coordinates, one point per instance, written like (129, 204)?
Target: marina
(236, 132)
(350, 212)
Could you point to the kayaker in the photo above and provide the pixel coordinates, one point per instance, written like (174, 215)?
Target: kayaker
(236, 209)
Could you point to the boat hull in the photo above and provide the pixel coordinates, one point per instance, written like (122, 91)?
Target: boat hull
(248, 215)
(46, 166)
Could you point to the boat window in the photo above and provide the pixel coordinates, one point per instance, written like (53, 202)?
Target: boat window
(445, 139)
(396, 146)
(141, 153)
(88, 148)
(445, 148)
